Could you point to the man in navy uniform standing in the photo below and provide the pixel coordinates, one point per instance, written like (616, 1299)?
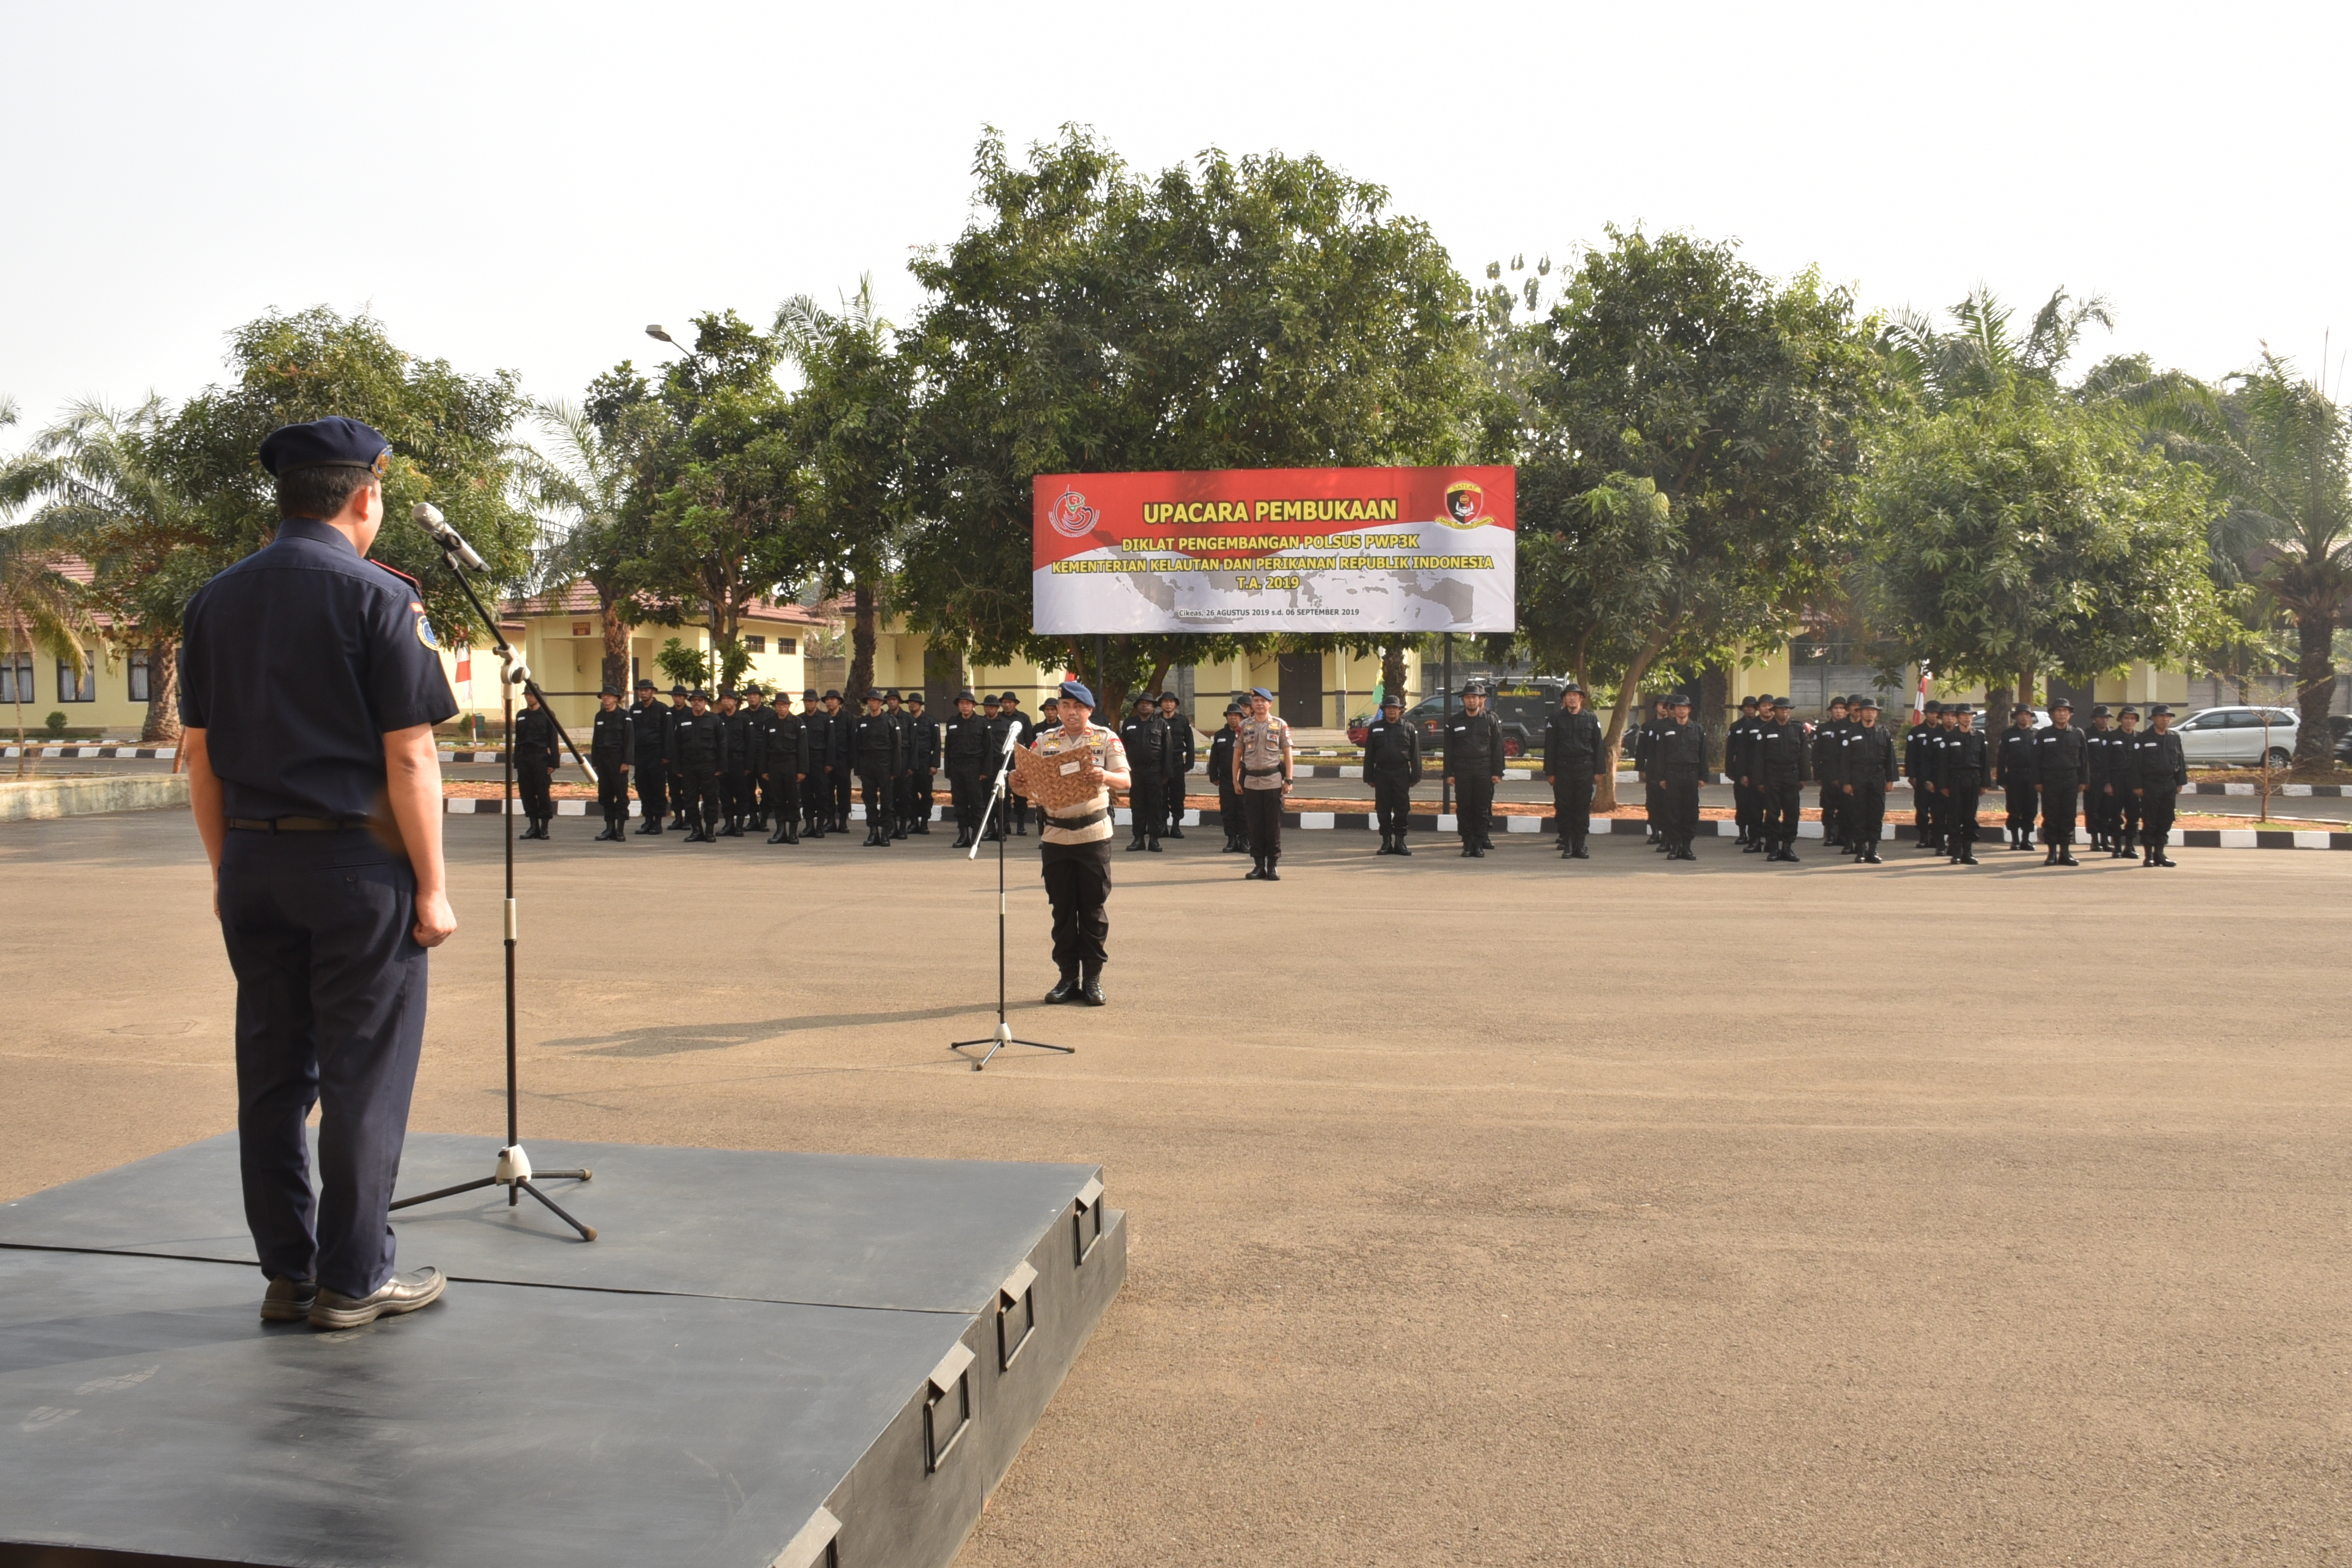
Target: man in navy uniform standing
(309, 685)
(1392, 766)
(612, 741)
(650, 727)
(2061, 765)
(1181, 756)
(1574, 750)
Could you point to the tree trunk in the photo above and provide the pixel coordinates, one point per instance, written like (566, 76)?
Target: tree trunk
(2315, 694)
(1392, 669)
(861, 644)
(2024, 689)
(1629, 692)
(616, 643)
(1115, 682)
(162, 725)
(1713, 698)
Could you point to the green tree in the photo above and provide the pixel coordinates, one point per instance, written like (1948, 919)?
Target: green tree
(854, 416)
(1693, 437)
(581, 492)
(1250, 312)
(42, 611)
(449, 432)
(2018, 531)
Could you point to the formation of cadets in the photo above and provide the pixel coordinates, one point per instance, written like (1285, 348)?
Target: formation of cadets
(748, 764)
(745, 763)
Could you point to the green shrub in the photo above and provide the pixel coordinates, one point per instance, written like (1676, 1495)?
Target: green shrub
(56, 722)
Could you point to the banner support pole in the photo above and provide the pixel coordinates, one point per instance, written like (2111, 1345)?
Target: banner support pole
(1445, 732)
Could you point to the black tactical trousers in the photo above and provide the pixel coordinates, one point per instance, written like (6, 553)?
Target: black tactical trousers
(531, 779)
(1230, 811)
(1866, 815)
(875, 789)
(736, 789)
(1678, 809)
(2129, 811)
(1077, 886)
(840, 780)
(1263, 807)
(1782, 808)
(653, 792)
(922, 790)
(1148, 806)
(613, 790)
(1392, 804)
(699, 803)
(1175, 801)
(1960, 808)
(2018, 796)
(783, 797)
(2156, 809)
(2058, 812)
(1474, 807)
(1571, 805)
(1833, 811)
(968, 792)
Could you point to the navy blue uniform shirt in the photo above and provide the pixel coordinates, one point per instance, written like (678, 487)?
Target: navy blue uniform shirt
(297, 661)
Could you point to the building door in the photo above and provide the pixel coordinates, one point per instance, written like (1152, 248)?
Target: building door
(942, 679)
(1300, 676)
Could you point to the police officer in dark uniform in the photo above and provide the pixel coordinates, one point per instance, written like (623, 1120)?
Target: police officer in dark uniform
(1866, 771)
(1645, 769)
(817, 789)
(1739, 756)
(649, 734)
(1781, 780)
(2125, 817)
(922, 762)
(735, 766)
(902, 785)
(309, 685)
(783, 764)
(1183, 754)
(874, 752)
(1574, 751)
(2013, 769)
(2062, 762)
(1960, 772)
(2160, 772)
(840, 765)
(698, 754)
(535, 759)
(1916, 743)
(968, 766)
(1826, 751)
(1678, 752)
(2100, 746)
(1229, 795)
(1011, 721)
(1145, 737)
(756, 720)
(612, 743)
(1474, 759)
(1392, 766)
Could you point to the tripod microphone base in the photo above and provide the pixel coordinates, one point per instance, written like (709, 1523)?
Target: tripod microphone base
(513, 1172)
(1001, 1038)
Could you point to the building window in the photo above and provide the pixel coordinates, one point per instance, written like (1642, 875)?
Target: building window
(85, 692)
(141, 689)
(786, 645)
(17, 680)
(755, 644)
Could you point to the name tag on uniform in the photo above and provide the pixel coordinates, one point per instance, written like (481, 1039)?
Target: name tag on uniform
(1070, 767)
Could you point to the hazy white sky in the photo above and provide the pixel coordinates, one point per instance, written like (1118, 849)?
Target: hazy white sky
(525, 186)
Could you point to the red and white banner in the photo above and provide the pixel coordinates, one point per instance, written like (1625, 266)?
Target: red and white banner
(1275, 550)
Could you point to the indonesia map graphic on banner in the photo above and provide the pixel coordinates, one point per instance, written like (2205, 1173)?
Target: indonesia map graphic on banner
(1275, 550)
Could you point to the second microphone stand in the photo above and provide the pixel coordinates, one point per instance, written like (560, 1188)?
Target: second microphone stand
(1003, 1036)
(513, 1170)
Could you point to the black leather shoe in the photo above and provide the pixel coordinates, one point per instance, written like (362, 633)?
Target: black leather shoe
(2164, 859)
(1153, 844)
(1135, 843)
(288, 1301)
(1272, 874)
(1579, 853)
(778, 835)
(1067, 991)
(1402, 848)
(1091, 992)
(1174, 831)
(2068, 859)
(401, 1293)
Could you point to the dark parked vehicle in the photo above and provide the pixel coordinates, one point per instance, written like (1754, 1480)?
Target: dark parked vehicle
(1523, 706)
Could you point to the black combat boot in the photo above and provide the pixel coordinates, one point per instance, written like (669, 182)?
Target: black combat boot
(1257, 869)
(734, 829)
(1067, 991)
(1135, 840)
(1273, 861)
(1579, 853)
(898, 827)
(1153, 843)
(1090, 989)
(1400, 847)
(923, 827)
(1176, 825)
(778, 835)
(2066, 854)
(649, 827)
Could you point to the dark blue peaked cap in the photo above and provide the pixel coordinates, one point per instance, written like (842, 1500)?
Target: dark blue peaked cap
(334, 439)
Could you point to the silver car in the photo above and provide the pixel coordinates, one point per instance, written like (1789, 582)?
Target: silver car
(2226, 737)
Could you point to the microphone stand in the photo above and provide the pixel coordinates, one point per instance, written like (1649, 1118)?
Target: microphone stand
(513, 1170)
(1003, 1036)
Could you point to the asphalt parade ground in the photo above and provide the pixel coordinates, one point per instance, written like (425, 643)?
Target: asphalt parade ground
(1503, 1211)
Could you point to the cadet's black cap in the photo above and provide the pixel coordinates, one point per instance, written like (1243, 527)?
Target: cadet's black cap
(1836, 703)
(677, 691)
(1236, 708)
(873, 694)
(891, 695)
(645, 686)
(2156, 708)
(2058, 702)
(331, 440)
(1144, 699)
(1931, 706)
(2128, 712)
(2020, 707)
(1680, 700)
(1782, 703)
(832, 694)
(1168, 697)
(810, 696)
(726, 691)
(2099, 710)
(1571, 685)
(610, 691)
(1008, 696)
(1957, 707)
(964, 694)
(1866, 700)
(1744, 702)
(1393, 699)
(701, 696)
(916, 698)
(1766, 700)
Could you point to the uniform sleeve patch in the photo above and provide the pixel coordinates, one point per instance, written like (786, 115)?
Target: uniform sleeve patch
(424, 630)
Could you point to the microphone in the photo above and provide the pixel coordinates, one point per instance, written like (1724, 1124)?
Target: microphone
(1012, 738)
(429, 517)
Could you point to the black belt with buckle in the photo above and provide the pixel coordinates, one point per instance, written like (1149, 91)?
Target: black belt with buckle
(1074, 823)
(297, 823)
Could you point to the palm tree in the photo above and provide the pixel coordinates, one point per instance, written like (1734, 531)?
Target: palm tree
(41, 611)
(581, 497)
(1979, 353)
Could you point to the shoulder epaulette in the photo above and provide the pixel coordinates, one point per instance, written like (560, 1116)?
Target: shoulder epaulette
(396, 571)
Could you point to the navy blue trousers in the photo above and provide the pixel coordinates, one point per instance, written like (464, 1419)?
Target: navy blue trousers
(331, 1011)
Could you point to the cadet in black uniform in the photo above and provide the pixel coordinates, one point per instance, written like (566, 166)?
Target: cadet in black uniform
(1780, 776)
(1049, 717)
(1392, 766)
(1011, 721)
(1145, 739)
(816, 787)
(649, 734)
(1678, 751)
(1915, 742)
(757, 719)
(1739, 749)
(2012, 768)
(735, 767)
(2061, 764)
(1645, 759)
(1229, 795)
(874, 752)
(309, 685)
(612, 741)
(1828, 754)
(783, 764)
(2158, 773)
(922, 762)
(840, 764)
(2099, 746)
(970, 766)
(1474, 759)
(698, 752)
(1867, 771)
(1182, 754)
(535, 759)
(1961, 784)
(1574, 750)
(902, 784)
(2125, 817)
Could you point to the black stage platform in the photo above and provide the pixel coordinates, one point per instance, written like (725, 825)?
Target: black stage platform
(767, 1359)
